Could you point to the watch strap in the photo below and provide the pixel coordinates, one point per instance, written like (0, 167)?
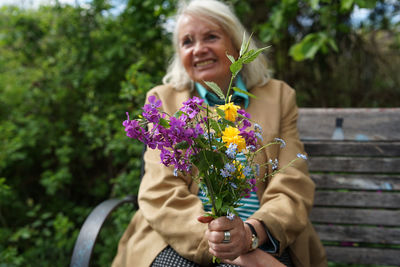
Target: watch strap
(252, 229)
(254, 237)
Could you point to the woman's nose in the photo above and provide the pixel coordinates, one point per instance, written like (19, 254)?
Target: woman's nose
(200, 48)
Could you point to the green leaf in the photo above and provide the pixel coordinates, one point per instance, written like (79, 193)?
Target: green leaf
(216, 89)
(345, 5)
(310, 45)
(220, 112)
(182, 145)
(245, 44)
(314, 4)
(164, 123)
(243, 92)
(252, 55)
(366, 3)
(218, 203)
(178, 113)
(236, 67)
(333, 45)
(231, 58)
(215, 126)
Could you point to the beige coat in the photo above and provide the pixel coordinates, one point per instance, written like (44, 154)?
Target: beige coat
(169, 205)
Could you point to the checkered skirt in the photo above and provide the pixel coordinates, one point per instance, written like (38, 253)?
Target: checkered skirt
(170, 258)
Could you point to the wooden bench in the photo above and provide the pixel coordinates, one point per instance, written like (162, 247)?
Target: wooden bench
(357, 204)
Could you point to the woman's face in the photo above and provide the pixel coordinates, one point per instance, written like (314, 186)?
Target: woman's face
(202, 48)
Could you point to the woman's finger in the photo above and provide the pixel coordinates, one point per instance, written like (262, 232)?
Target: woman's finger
(205, 219)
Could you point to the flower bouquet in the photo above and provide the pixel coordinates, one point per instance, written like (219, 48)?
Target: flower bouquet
(221, 142)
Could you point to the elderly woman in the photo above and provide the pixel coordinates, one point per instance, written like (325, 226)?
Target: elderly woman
(273, 228)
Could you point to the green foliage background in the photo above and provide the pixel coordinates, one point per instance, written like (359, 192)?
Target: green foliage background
(68, 75)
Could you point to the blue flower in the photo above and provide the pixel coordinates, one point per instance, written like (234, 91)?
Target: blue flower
(274, 164)
(230, 216)
(233, 185)
(257, 169)
(247, 171)
(258, 128)
(225, 173)
(251, 148)
(230, 167)
(302, 156)
(281, 141)
(175, 172)
(231, 151)
(259, 136)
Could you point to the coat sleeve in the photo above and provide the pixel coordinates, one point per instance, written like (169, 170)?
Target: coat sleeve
(288, 197)
(172, 210)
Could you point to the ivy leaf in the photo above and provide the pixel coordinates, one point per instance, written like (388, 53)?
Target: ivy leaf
(215, 88)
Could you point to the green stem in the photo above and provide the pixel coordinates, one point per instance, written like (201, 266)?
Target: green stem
(229, 89)
(265, 146)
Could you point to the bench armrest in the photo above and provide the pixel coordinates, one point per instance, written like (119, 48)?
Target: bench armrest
(91, 228)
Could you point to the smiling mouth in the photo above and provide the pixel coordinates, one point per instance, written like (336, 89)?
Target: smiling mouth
(204, 63)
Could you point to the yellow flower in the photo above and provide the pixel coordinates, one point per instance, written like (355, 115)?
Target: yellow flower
(230, 110)
(239, 169)
(231, 135)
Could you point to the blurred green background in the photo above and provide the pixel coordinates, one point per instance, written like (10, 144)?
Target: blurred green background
(68, 74)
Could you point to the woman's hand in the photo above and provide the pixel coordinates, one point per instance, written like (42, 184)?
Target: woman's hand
(240, 237)
(256, 258)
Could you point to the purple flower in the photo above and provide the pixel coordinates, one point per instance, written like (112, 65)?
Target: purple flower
(245, 122)
(198, 130)
(250, 138)
(134, 130)
(154, 102)
(191, 107)
(151, 112)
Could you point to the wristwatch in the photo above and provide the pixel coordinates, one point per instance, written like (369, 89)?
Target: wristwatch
(254, 237)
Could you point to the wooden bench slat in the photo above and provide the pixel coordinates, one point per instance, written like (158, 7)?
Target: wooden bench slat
(355, 165)
(356, 182)
(357, 199)
(363, 255)
(355, 216)
(358, 234)
(332, 148)
(374, 123)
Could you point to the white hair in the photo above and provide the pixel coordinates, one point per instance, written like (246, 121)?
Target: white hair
(254, 73)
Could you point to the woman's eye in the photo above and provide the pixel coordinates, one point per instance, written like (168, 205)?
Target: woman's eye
(212, 36)
(186, 41)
